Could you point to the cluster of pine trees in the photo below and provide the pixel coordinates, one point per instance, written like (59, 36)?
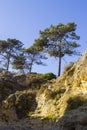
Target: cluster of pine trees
(56, 40)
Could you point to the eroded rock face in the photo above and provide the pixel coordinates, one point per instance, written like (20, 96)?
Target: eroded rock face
(74, 101)
(18, 105)
(60, 104)
(70, 108)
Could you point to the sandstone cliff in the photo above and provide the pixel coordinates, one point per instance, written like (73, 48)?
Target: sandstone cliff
(58, 104)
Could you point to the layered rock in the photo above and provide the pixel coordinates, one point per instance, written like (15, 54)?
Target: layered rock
(69, 105)
(60, 104)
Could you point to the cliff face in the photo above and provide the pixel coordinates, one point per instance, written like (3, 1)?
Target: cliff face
(60, 104)
(74, 101)
(66, 97)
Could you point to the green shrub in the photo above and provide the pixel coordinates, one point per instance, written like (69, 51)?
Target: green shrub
(6, 88)
(35, 80)
(48, 76)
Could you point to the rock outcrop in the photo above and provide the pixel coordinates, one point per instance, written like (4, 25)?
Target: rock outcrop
(66, 98)
(59, 104)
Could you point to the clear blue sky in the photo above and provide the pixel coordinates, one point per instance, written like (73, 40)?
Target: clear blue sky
(22, 19)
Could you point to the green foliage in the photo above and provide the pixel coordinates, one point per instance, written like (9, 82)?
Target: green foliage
(2, 70)
(6, 88)
(59, 40)
(48, 76)
(8, 50)
(34, 80)
(34, 56)
(19, 62)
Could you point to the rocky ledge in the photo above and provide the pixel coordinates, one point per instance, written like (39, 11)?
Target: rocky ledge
(57, 104)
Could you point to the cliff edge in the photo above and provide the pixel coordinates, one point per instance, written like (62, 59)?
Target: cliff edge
(57, 104)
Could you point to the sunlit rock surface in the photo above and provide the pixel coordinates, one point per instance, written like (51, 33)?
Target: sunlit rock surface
(58, 104)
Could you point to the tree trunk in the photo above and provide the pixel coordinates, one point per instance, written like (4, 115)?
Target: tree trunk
(59, 65)
(30, 69)
(59, 60)
(32, 61)
(8, 61)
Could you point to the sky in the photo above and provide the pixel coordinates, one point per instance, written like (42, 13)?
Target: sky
(23, 19)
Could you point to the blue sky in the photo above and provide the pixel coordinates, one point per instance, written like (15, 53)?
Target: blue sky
(22, 19)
